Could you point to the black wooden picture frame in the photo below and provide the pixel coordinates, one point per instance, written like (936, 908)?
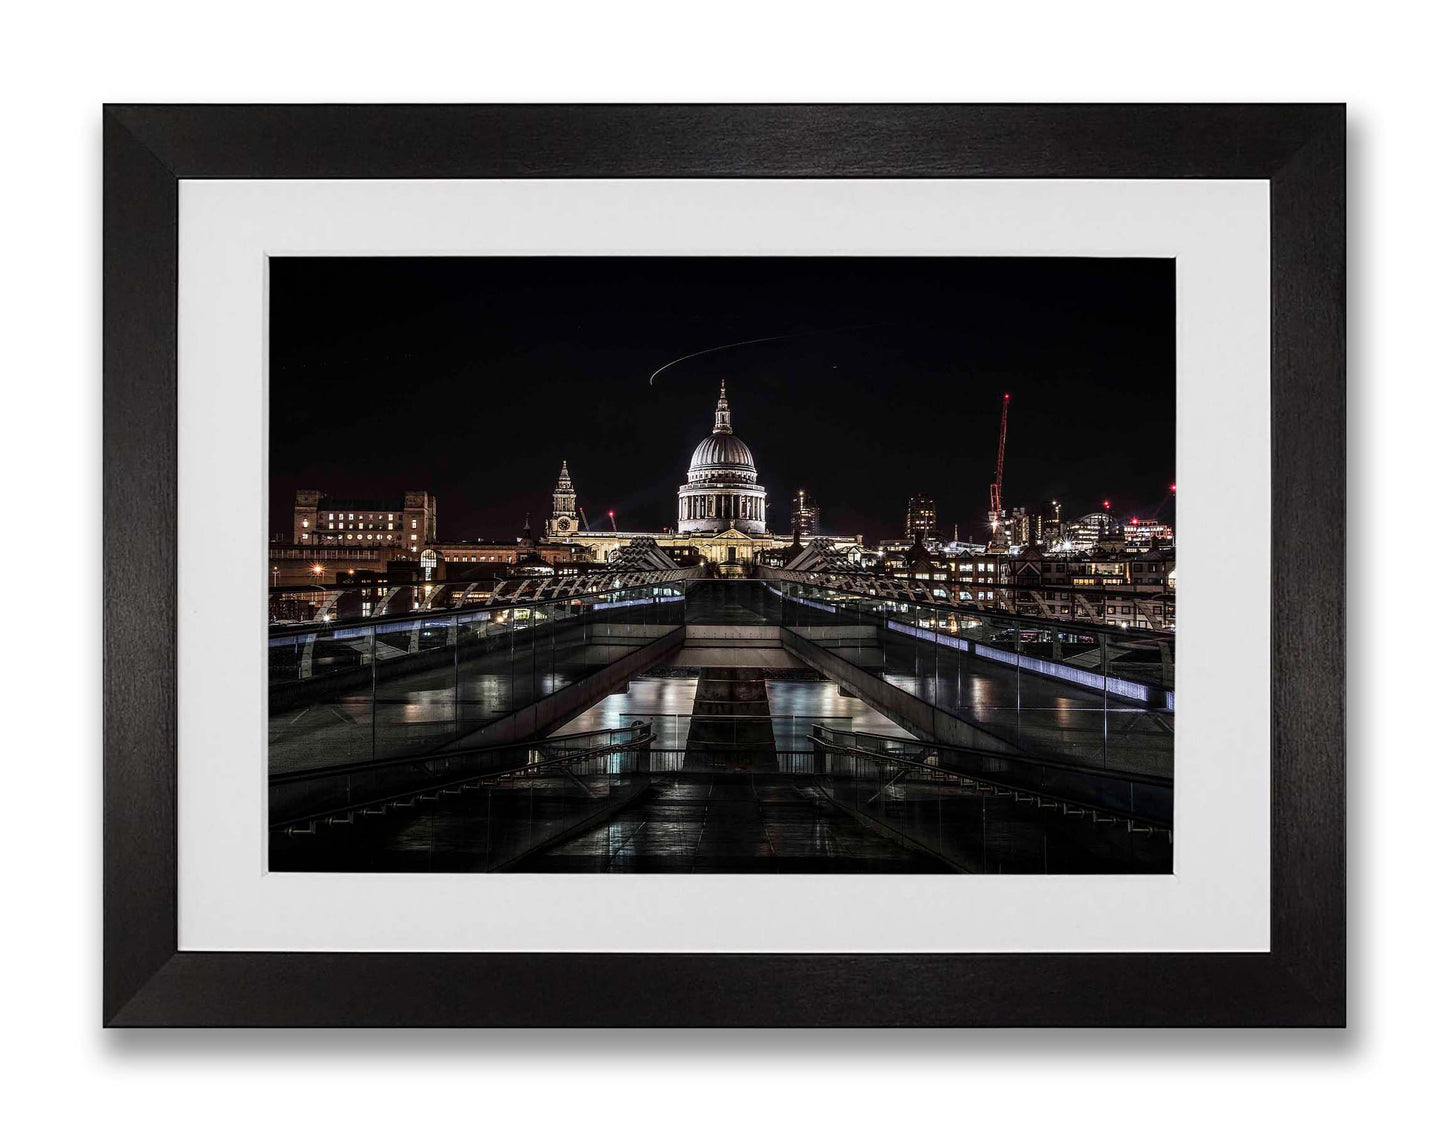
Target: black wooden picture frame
(1299, 149)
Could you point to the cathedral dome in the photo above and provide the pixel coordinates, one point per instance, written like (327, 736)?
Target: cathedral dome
(722, 452)
(722, 491)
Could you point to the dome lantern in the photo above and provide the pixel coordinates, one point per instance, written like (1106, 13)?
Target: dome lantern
(724, 423)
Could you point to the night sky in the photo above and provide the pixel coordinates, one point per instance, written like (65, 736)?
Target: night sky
(474, 377)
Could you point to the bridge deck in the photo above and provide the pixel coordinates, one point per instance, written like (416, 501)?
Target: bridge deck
(730, 823)
(731, 782)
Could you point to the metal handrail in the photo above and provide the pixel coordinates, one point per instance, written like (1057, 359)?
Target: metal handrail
(836, 596)
(907, 764)
(1023, 758)
(379, 804)
(842, 597)
(305, 773)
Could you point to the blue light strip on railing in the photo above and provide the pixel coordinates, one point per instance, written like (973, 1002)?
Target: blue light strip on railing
(337, 634)
(639, 602)
(1115, 685)
(462, 618)
(932, 635)
(381, 626)
(829, 607)
(1096, 681)
(593, 600)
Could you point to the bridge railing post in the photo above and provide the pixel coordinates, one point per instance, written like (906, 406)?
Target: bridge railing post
(1104, 673)
(509, 624)
(372, 640)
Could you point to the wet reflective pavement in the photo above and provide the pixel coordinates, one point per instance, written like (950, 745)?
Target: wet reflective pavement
(644, 698)
(721, 822)
(742, 822)
(793, 707)
(468, 831)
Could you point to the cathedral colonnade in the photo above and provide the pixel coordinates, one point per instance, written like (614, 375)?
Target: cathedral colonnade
(712, 505)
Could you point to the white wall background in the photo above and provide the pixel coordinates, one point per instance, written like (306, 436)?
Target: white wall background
(63, 60)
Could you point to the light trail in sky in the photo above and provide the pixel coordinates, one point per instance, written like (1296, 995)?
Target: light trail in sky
(755, 340)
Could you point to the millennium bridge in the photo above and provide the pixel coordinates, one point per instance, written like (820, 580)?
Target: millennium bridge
(662, 720)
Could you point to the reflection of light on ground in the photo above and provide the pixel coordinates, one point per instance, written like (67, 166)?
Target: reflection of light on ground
(656, 696)
(907, 684)
(821, 700)
(668, 703)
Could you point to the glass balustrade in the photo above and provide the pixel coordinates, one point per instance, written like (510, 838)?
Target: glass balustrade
(476, 810)
(1094, 694)
(388, 686)
(383, 687)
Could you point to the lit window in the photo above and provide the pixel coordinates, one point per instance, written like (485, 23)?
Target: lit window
(305, 524)
(413, 524)
(413, 535)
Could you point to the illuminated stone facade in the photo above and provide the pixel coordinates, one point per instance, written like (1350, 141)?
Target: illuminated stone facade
(721, 510)
(564, 520)
(722, 490)
(404, 524)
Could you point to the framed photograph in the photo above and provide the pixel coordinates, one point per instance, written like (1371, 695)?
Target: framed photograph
(717, 565)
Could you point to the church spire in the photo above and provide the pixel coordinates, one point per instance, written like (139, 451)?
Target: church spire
(564, 480)
(724, 423)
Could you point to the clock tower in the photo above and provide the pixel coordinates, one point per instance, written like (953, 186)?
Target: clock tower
(563, 522)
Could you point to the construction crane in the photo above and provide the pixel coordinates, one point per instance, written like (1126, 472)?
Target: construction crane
(581, 512)
(613, 518)
(995, 490)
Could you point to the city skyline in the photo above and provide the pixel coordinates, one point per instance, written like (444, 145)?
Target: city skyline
(883, 378)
